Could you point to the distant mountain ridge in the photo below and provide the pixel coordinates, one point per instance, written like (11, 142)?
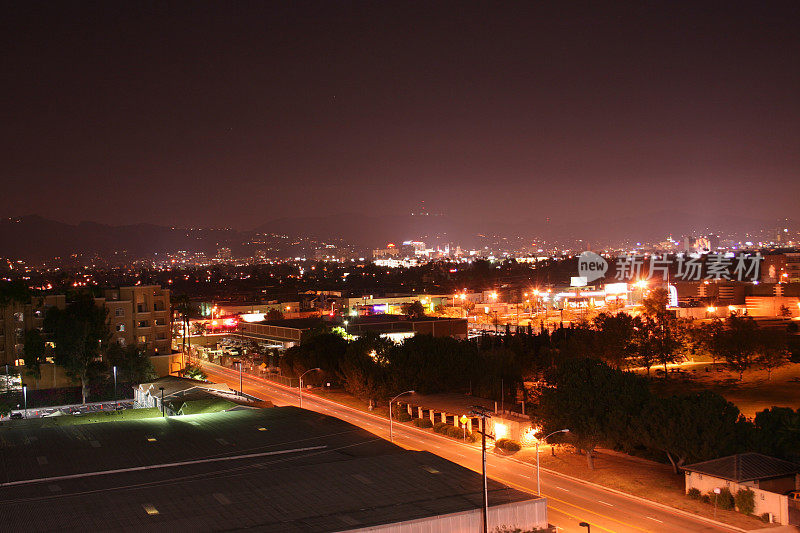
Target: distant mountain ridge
(34, 237)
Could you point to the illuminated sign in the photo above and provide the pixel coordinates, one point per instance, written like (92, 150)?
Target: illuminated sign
(613, 289)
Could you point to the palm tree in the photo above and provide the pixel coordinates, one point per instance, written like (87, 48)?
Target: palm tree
(183, 305)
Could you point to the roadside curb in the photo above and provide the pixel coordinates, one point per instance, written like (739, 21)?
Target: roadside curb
(638, 499)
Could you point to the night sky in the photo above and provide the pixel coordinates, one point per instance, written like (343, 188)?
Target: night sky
(235, 113)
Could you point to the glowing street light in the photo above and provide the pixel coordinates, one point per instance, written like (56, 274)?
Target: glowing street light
(538, 479)
(391, 433)
(301, 380)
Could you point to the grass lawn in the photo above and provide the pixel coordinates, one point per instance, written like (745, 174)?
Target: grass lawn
(754, 393)
(646, 479)
(93, 418)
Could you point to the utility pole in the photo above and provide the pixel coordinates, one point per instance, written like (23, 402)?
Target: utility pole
(479, 410)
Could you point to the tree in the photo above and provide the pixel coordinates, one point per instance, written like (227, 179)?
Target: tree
(274, 314)
(666, 341)
(736, 342)
(14, 291)
(363, 369)
(595, 402)
(643, 343)
(80, 334)
(132, 363)
(690, 427)
(414, 309)
(184, 306)
(772, 350)
(614, 337)
(34, 353)
(324, 350)
(777, 432)
(655, 305)
(200, 328)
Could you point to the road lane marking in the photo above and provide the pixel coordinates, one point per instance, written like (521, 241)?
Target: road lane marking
(656, 519)
(580, 519)
(605, 503)
(357, 417)
(361, 418)
(561, 488)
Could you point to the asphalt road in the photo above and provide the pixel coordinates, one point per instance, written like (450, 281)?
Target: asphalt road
(569, 502)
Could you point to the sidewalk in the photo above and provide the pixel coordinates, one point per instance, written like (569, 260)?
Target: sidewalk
(635, 476)
(616, 471)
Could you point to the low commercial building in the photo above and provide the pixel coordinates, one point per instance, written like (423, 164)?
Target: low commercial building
(291, 332)
(769, 478)
(456, 410)
(279, 469)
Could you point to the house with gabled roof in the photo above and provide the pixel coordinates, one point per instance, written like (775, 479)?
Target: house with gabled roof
(771, 479)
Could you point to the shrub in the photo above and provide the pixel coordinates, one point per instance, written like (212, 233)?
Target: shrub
(745, 501)
(422, 422)
(453, 431)
(440, 427)
(508, 445)
(401, 416)
(694, 493)
(705, 498)
(725, 499)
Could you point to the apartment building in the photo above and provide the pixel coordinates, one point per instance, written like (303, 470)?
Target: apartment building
(138, 315)
(16, 318)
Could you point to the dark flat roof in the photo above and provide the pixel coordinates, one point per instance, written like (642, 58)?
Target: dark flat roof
(277, 469)
(745, 467)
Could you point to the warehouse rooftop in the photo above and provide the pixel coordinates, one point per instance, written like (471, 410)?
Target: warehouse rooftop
(274, 469)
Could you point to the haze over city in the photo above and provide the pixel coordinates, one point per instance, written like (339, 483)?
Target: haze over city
(236, 115)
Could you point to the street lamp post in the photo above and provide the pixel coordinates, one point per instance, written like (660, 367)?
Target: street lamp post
(241, 392)
(25, 398)
(301, 384)
(587, 526)
(483, 412)
(538, 479)
(391, 434)
(115, 388)
(163, 411)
